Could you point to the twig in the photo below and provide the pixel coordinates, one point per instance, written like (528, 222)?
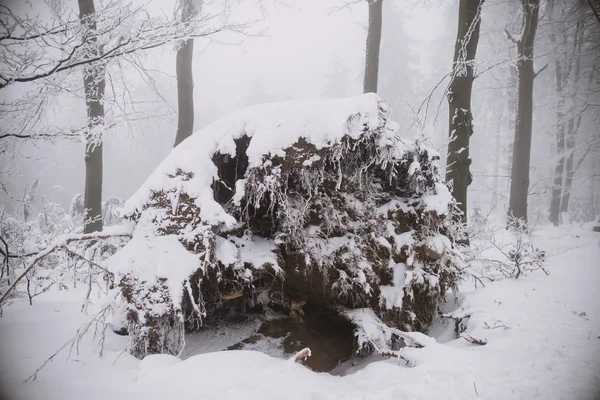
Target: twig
(509, 36)
(95, 264)
(75, 340)
(596, 14)
(34, 375)
(540, 70)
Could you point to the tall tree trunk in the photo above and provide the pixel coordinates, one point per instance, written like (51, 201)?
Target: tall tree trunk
(560, 147)
(459, 100)
(574, 123)
(512, 114)
(594, 187)
(569, 172)
(185, 91)
(185, 78)
(94, 84)
(570, 169)
(496, 182)
(519, 179)
(373, 43)
(560, 71)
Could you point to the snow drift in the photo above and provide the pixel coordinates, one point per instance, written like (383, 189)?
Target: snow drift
(289, 203)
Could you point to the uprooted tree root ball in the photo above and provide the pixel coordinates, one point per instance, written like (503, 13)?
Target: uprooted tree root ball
(292, 202)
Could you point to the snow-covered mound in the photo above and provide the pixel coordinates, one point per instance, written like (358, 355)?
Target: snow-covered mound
(543, 334)
(316, 203)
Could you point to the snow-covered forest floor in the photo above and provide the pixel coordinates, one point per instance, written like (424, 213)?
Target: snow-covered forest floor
(543, 334)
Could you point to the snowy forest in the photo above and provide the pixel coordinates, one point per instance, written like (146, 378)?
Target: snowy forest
(304, 199)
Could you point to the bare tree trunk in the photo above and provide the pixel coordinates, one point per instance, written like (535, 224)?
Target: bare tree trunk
(185, 78)
(570, 169)
(593, 188)
(512, 114)
(373, 42)
(560, 148)
(496, 182)
(459, 100)
(185, 91)
(574, 123)
(560, 72)
(94, 84)
(569, 172)
(519, 180)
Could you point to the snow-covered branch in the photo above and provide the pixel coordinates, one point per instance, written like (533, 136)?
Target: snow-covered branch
(122, 31)
(63, 241)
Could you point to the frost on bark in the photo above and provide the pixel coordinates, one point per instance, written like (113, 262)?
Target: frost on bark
(373, 44)
(459, 99)
(345, 225)
(519, 179)
(94, 84)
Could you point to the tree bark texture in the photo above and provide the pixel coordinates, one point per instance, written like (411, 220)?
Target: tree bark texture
(94, 85)
(519, 182)
(459, 100)
(512, 112)
(569, 172)
(496, 183)
(185, 91)
(560, 147)
(373, 43)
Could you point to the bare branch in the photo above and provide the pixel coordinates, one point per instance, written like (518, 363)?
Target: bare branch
(509, 36)
(594, 10)
(143, 35)
(535, 74)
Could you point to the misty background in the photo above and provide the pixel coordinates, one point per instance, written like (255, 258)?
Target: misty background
(312, 49)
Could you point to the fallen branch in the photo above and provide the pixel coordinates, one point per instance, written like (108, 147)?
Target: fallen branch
(58, 243)
(471, 339)
(379, 338)
(301, 355)
(410, 337)
(391, 354)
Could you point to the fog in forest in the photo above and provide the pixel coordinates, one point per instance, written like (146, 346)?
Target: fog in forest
(315, 49)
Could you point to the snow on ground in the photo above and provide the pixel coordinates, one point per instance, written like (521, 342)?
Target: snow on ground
(550, 349)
